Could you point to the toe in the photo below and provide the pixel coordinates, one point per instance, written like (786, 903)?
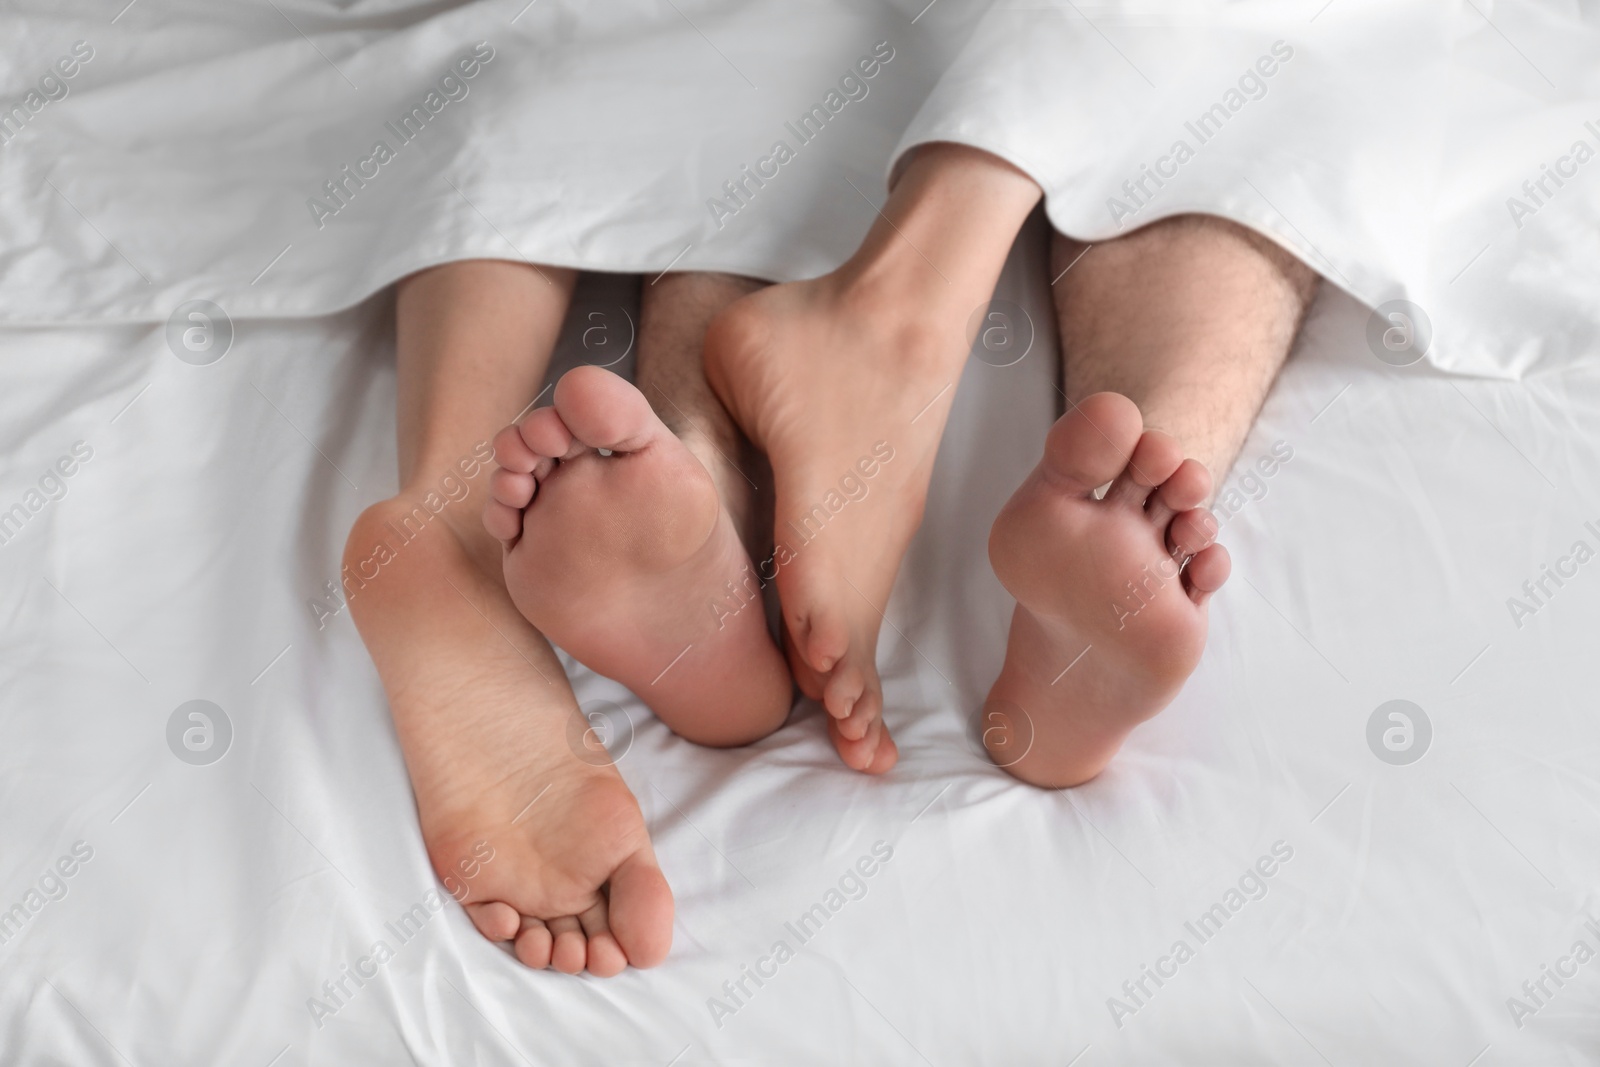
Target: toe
(640, 910)
(1155, 458)
(821, 637)
(873, 753)
(512, 452)
(503, 522)
(1190, 532)
(844, 696)
(863, 709)
(1090, 444)
(858, 752)
(534, 943)
(512, 488)
(605, 411)
(1187, 488)
(606, 957)
(1206, 572)
(545, 434)
(887, 754)
(570, 950)
(495, 920)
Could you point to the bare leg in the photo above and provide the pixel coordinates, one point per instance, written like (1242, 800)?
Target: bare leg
(1171, 338)
(673, 316)
(625, 542)
(845, 383)
(1190, 318)
(540, 845)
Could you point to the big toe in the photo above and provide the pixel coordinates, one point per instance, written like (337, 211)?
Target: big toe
(1091, 444)
(605, 411)
(640, 910)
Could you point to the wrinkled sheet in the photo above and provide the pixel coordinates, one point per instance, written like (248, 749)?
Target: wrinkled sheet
(292, 160)
(1394, 531)
(1444, 155)
(187, 560)
(229, 152)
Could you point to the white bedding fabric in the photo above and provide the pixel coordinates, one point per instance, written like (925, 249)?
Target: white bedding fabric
(182, 562)
(182, 159)
(187, 553)
(1386, 143)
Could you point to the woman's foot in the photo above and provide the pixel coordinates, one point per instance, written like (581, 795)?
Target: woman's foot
(848, 399)
(540, 846)
(845, 383)
(618, 549)
(1111, 593)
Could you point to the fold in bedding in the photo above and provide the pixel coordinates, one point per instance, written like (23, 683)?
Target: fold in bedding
(1430, 159)
(1427, 158)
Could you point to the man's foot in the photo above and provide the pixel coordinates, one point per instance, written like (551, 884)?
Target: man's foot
(846, 387)
(1111, 593)
(618, 549)
(540, 847)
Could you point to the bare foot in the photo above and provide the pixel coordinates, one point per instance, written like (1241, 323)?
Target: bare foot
(848, 401)
(1111, 593)
(540, 846)
(629, 562)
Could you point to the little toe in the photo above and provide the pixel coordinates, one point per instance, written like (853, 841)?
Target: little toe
(503, 521)
(1186, 488)
(534, 944)
(605, 411)
(1190, 532)
(1154, 459)
(1089, 445)
(1206, 572)
(570, 950)
(495, 919)
(606, 957)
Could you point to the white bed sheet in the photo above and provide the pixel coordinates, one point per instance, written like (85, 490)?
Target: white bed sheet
(1392, 145)
(182, 561)
(1433, 153)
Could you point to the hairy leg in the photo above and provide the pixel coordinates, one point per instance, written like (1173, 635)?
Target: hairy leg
(1190, 318)
(623, 539)
(1171, 337)
(674, 313)
(541, 846)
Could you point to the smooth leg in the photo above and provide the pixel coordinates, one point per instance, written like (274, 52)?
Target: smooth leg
(541, 847)
(845, 382)
(625, 541)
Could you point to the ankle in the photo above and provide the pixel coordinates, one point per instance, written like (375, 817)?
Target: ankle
(392, 530)
(949, 223)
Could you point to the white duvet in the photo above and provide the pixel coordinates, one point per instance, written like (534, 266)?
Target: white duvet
(1285, 867)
